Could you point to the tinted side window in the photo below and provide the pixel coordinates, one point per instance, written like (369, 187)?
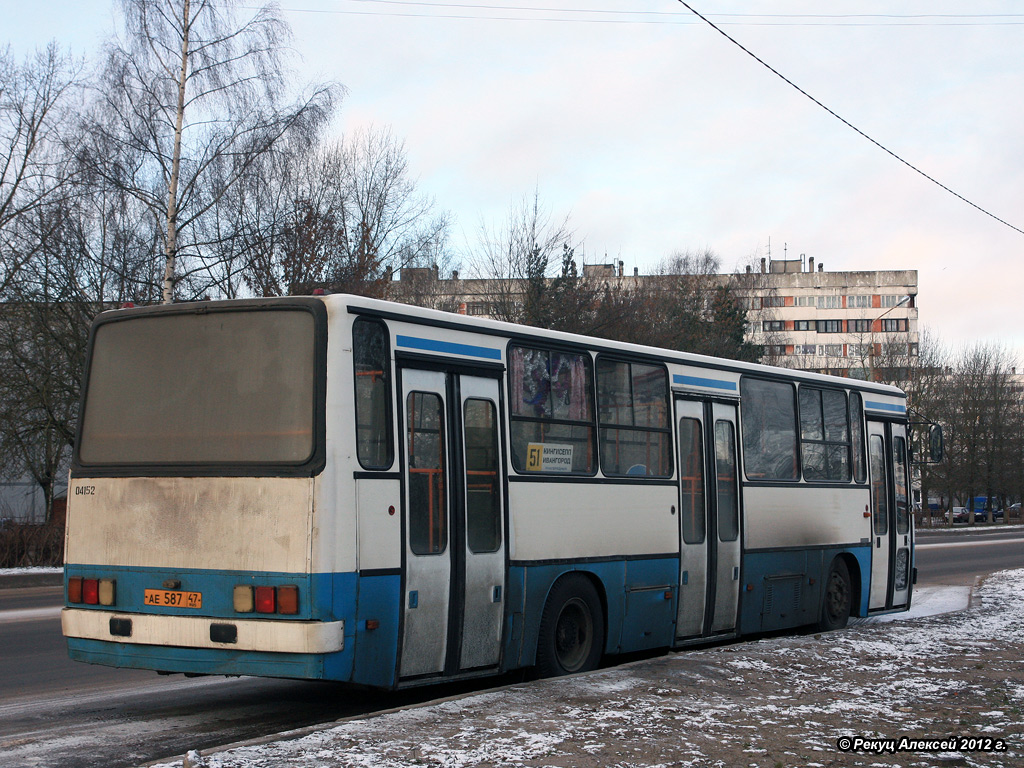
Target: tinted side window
(373, 394)
(824, 434)
(857, 437)
(769, 430)
(632, 401)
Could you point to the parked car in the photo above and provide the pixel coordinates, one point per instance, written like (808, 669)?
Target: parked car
(1014, 510)
(960, 514)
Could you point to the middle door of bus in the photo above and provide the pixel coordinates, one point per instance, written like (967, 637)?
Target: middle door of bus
(709, 538)
(454, 571)
(891, 533)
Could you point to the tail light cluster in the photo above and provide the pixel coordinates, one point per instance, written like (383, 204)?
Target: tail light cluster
(249, 599)
(92, 591)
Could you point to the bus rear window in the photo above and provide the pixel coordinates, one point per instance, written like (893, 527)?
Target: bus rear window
(222, 387)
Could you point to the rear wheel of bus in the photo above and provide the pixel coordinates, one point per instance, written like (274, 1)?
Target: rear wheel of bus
(837, 602)
(571, 629)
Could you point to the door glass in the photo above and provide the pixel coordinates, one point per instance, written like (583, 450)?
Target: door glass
(725, 463)
(483, 508)
(428, 512)
(899, 464)
(691, 479)
(879, 501)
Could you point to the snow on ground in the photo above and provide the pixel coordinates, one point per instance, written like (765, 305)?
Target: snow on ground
(775, 702)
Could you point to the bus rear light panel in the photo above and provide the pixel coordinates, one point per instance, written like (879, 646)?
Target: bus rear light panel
(92, 591)
(282, 600)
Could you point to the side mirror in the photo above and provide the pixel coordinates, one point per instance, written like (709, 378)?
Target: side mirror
(935, 444)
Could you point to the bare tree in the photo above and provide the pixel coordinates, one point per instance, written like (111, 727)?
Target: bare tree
(346, 215)
(190, 99)
(515, 258)
(33, 98)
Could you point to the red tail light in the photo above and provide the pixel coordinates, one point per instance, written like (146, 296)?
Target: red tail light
(75, 589)
(288, 599)
(265, 600)
(91, 591)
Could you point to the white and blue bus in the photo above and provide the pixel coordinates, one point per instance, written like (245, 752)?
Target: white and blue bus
(350, 489)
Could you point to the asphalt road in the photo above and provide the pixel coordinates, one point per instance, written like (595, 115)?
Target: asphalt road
(55, 712)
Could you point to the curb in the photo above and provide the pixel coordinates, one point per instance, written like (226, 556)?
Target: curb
(18, 580)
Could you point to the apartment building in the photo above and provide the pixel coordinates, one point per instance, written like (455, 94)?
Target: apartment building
(862, 324)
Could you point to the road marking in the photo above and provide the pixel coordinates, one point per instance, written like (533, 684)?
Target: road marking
(946, 545)
(30, 614)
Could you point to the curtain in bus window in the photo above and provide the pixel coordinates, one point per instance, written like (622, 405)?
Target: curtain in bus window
(691, 480)
(857, 436)
(373, 404)
(633, 395)
(769, 430)
(551, 405)
(879, 496)
(899, 447)
(725, 469)
(428, 508)
(483, 506)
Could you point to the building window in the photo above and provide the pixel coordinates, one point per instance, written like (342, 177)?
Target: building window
(804, 301)
(773, 325)
(805, 349)
(859, 350)
(894, 325)
(890, 301)
(774, 350)
(830, 302)
(830, 350)
(772, 301)
(477, 308)
(803, 325)
(830, 326)
(859, 302)
(858, 326)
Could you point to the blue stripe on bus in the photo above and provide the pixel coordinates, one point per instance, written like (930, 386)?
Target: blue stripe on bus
(895, 408)
(448, 347)
(698, 381)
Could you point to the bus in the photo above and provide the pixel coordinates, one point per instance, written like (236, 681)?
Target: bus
(343, 488)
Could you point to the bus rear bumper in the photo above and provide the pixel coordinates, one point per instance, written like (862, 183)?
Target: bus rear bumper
(267, 635)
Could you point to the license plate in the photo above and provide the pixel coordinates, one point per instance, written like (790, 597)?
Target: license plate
(173, 598)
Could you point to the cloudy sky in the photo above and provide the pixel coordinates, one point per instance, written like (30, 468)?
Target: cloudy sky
(654, 133)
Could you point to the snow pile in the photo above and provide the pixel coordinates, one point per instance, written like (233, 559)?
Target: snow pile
(778, 701)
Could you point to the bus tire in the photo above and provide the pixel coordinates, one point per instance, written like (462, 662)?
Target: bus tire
(837, 600)
(571, 628)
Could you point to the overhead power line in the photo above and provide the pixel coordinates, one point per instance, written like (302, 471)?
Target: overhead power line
(844, 121)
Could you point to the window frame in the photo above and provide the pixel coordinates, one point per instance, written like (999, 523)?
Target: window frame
(745, 444)
(666, 431)
(514, 418)
(824, 442)
(388, 389)
(310, 467)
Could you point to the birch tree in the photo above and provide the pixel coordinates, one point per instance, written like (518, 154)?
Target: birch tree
(190, 98)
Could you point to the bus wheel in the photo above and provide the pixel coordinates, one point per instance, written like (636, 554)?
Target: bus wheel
(838, 598)
(571, 628)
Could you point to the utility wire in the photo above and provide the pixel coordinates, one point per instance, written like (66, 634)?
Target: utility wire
(844, 121)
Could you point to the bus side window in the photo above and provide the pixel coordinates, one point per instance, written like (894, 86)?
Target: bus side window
(857, 437)
(371, 356)
(632, 405)
(769, 430)
(428, 506)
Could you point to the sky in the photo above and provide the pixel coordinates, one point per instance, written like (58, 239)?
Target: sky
(653, 133)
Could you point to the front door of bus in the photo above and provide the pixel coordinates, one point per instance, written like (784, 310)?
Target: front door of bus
(890, 515)
(454, 545)
(709, 519)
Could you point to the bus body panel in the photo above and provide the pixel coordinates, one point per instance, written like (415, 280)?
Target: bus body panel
(236, 523)
(777, 517)
(592, 519)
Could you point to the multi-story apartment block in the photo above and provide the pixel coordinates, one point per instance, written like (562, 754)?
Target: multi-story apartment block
(861, 324)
